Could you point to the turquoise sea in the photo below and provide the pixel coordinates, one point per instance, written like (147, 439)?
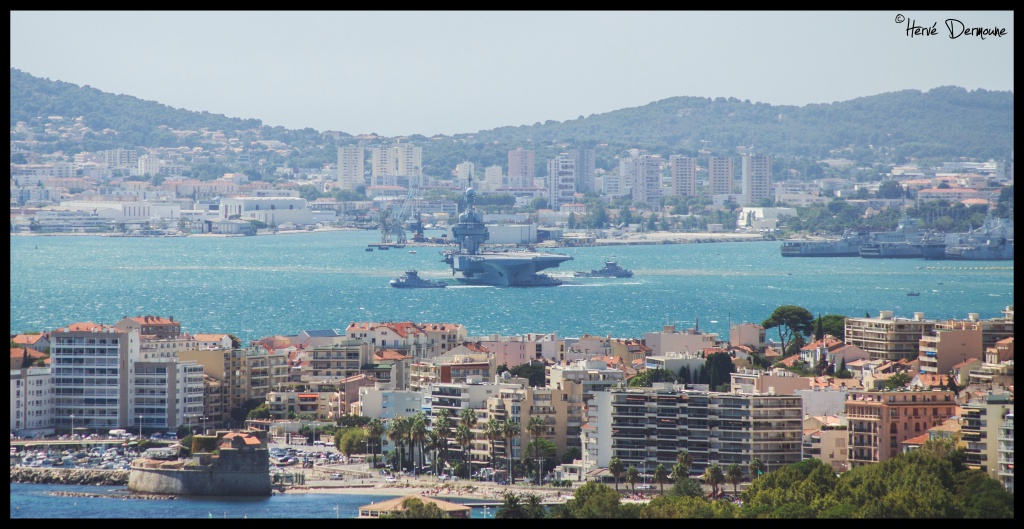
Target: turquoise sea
(281, 284)
(38, 501)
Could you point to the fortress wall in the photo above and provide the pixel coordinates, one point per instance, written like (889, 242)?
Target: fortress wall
(234, 473)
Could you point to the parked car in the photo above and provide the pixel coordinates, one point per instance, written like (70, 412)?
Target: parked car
(390, 479)
(335, 476)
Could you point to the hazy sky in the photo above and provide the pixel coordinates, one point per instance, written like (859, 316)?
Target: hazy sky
(448, 72)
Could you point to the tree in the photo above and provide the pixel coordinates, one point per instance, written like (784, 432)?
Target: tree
(374, 429)
(536, 428)
(661, 477)
(441, 423)
(685, 459)
(511, 507)
(896, 381)
(734, 475)
(417, 437)
(756, 468)
(397, 432)
(464, 436)
(791, 321)
(493, 431)
(834, 324)
(509, 430)
(719, 368)
(713, 476)
(632, 476)
(616, 468)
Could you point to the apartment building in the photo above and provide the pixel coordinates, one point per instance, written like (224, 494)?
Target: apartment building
(400, 164)
(166, 393)
(997, 368)
(31, 402)
(881, 420)
(561, 409)
(647, 427)
(640, 174)
(1005, 452)
(592, 375)
(453, 367)
(245, 373)
(757, 178)
(419, 341)
(351, 167)
(344, 358)
(720, 175)
(948, 344)
(981, 429)
(521, 168)
(521, 349)
(91, 368)
(151, 327)
(773, 381)
(586, 169)
(561, 180)
(322, 403)
(683, 176)
(887, 337)
(675, 341)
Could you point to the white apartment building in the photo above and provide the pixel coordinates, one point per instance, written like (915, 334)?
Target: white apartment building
(757, 178)
(520, 349)
(402, 163)
(561, 180)
(31, 402)
(351, 163)
(671, 340)
(91, 368)
(683, 173)
(647, 427)
(720, 175)
(640, 174)
(464, 172)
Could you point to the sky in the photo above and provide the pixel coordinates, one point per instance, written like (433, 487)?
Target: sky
(397, 73)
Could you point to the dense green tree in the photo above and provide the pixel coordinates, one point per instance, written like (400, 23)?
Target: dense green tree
(632, 477)
(648, 377)
(719, 368)
(714, 477)
(660, 477)
(533, 371)
(734, 476)
(790, 321)
(834, 324)
(374, 430)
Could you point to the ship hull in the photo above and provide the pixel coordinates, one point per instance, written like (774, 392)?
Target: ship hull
(512, 269)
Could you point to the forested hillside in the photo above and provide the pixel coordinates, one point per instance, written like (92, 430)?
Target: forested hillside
(941, 124)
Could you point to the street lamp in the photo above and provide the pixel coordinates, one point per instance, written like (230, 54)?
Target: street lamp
(72, 425)
(140, 427)
(204, 425)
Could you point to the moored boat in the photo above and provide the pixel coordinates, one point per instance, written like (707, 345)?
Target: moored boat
(411, 279)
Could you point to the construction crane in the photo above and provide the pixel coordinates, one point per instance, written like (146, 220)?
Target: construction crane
(392, 222)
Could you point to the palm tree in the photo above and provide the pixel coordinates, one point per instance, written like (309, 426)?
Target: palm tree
(756, 468)
(464, 436)
(511, 507)
(494, 433)
(661, 477)
(442, 423)
(397, 432)
(418, 436)
(616, 467)
(374, 429)
(686, 459)
(435, 443)
(713, 476)
(734, 475)
(509, 430)
(534, 507)
(632, 476)
(536, 428)
(467, 418)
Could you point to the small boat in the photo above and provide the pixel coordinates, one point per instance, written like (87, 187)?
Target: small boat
(412, 251)
(611, 269)
(411, 279)
(913, 293)
(369, 249)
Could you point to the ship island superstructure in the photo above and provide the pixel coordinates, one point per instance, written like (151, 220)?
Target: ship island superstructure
(507, 269)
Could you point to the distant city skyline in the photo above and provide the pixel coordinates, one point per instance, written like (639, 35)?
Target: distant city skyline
(452, 72)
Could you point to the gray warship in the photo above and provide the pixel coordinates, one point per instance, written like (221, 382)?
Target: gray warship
(506, 269)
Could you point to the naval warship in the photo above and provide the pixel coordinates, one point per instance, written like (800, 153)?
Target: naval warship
(506, 269)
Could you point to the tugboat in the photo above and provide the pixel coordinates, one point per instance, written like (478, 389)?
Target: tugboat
(411, 279)
(611, 269)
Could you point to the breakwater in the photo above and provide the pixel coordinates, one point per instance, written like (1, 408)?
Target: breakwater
(68, 476)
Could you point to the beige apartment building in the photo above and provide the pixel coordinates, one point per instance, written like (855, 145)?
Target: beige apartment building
(247, 373)
(948, 344)
(887, 337)
(983, 423)
(880, 420)
(452, 368)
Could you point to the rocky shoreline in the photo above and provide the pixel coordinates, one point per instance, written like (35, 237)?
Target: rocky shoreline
(68, 476)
